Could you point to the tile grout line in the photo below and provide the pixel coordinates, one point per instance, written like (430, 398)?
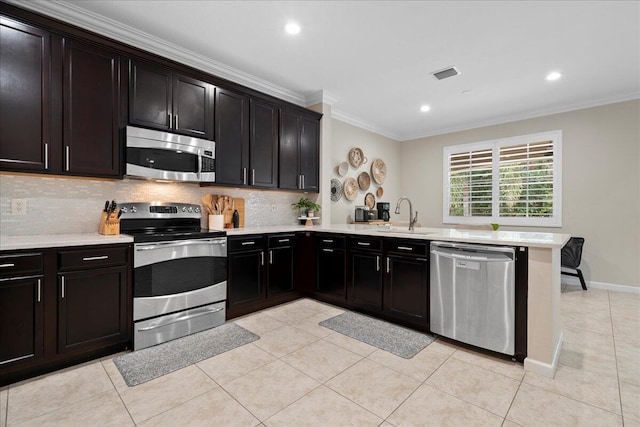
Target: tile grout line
(513, 400)
(615, 352)
(118, 393)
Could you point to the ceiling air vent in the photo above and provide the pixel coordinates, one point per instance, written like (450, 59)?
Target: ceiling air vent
(446, 73)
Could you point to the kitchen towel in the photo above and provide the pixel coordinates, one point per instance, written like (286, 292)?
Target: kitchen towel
(386, 336)
(144, 365)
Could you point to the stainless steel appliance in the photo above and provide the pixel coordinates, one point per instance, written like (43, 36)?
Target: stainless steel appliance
(153, 154)
(384, 209)
(472, 294)
(180, 284)
(361, 214)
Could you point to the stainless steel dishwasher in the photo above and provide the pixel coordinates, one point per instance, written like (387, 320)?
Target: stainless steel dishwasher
(472, 294)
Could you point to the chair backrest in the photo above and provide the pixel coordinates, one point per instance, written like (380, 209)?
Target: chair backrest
(571, 253)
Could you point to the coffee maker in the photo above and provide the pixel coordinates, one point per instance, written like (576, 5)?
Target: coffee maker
(383, 210)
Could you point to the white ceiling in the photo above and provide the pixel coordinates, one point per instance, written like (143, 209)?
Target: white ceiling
(375, 57)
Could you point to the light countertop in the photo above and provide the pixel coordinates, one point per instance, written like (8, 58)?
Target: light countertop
(59, 240)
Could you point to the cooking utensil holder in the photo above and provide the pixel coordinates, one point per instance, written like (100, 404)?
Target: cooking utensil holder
(109, 226)
(216, 222)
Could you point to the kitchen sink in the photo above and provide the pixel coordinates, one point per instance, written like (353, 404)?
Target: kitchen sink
(404, 230)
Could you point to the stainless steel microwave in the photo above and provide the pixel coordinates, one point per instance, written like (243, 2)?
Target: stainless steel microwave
(153, 154)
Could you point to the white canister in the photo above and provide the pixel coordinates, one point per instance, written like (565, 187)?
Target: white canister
(216, 222)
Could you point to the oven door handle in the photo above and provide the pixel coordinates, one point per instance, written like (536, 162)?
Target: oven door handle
(180, 319)
(180, 243)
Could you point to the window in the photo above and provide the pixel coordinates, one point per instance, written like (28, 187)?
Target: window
(512, 181)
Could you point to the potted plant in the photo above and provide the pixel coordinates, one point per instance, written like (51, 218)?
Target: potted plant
(306, 207)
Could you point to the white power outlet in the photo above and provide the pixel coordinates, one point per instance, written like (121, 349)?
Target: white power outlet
(18, 206)
(273, 207)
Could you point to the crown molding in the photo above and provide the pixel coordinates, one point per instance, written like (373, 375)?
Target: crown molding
(321, 97)
(83, 18)
(344, 117)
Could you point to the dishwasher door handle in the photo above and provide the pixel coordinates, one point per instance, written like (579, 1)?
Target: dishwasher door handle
(468, 257)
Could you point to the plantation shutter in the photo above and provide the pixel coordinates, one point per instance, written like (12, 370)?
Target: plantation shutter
(470, 183)
(526, 180)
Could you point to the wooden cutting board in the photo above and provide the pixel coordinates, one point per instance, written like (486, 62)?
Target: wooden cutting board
(231, 204)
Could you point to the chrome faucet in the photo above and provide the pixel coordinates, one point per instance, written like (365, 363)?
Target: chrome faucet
(412, 219)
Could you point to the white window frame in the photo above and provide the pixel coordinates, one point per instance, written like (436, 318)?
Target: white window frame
(495, 145)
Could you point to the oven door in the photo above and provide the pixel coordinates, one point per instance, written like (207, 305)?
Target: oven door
(175, 275)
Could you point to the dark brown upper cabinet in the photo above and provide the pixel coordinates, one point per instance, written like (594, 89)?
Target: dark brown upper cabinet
(299, 151)
(162, 99)
(25, 126)
(92, 99)
(232, 138)
(263, 145)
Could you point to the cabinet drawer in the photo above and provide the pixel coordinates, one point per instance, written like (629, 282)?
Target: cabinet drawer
(90, 258)
(281, 240)
(245, 243)
(408, 247)
(330, 241)
(20, 264)
(365, 243)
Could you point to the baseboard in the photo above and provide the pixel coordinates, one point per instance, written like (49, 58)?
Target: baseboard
(545, 369)
(601, 285)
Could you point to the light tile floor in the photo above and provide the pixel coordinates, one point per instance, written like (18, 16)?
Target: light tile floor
(301, 374)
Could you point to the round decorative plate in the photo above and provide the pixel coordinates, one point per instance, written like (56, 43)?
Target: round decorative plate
(379, 171)
(356, 157)
(343, 168)
(364, 181)
(370, 200)
(336, 190)
(350, 188)
(379, 192)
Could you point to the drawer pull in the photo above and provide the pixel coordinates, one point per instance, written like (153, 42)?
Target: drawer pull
(283, 240)
(422, 259)
(248, 243)
(364, 244)
(95, 258)
(327, 250)
(405, 248)
(327, 241)
(7, 265)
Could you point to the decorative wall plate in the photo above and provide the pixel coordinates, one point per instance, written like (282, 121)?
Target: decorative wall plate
(350, 189)
(370, 200)
(364, 181)
(357, 158)
(336, 190)
(343, 168)
(379, 192)
(379, 171)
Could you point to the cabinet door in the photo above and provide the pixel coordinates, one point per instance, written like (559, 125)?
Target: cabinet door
(331, 273)
(92, 308)
(21, 323)
(91, 105)
(366, 280)
(232, 137)
(263, 142)
(288, 172)
(280, 271)
(150, 97)
(24, 97)
(192, 107)
(310, 153)
(405, 291)
(245, 282)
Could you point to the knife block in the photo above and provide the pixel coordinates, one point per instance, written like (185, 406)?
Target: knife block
(109, 226)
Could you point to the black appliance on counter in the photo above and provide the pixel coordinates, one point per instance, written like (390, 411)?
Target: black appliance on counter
(384, 209)
(180, 279)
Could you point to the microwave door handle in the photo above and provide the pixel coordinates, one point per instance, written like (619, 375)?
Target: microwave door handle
(199, 164)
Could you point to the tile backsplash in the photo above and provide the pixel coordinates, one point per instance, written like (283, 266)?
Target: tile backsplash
(58, 205)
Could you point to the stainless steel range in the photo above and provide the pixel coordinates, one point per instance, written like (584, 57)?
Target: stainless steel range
(179, 280)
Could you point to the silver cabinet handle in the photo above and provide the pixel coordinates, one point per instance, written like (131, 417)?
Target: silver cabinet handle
(63, 285)
(327, 241)
(39, 284)
(283, 240)
(170, 120)
(364, 244)
(270, 256)
(253, 177)
(248, 243)
(95, 258)
(67, 155)
(7, 265)
(177, 127)
(302, 181)
(261, 257)
(46, 155)
(388, 266)
(422, 259)
(244, 176)
(327, 250)
(405, 248)
(377, 262)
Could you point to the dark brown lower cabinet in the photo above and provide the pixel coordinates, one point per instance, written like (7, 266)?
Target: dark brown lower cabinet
(406, 290)
(365, 291)
(92, 308)
(245, 281)
(281, 265)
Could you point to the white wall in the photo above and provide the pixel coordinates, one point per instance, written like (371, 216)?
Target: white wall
(601, 182)
(345, 137)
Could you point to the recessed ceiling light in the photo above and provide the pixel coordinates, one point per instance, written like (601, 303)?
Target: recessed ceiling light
(553, 76)
(425, 108)
(292, 28)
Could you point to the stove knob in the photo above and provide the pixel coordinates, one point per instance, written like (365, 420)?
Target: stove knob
(190, 209)
(197, 210)
(184, 209)
(134, 209)
(124, 210)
